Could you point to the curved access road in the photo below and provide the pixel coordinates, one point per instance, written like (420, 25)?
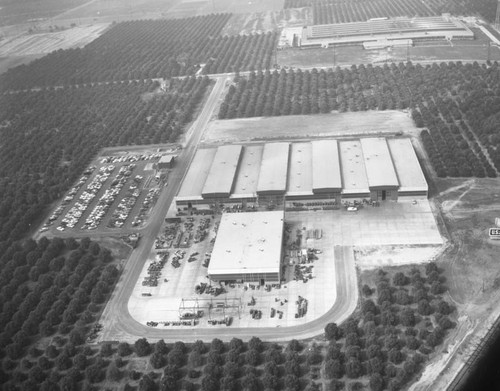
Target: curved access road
(120, 326)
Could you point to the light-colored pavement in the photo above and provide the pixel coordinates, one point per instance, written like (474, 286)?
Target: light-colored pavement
(116, 315)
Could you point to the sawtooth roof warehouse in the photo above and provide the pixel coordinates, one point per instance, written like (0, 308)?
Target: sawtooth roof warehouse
(321, 172)
(375, 169)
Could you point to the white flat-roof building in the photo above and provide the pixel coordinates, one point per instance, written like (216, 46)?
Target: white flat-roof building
(274, 169)
(326, 175)
(382, 180)
(354, 180)
(220, 179)
(321, 172)
(248, 247)
(392, 30)
(300, 172)
(193, 182)
(245, 186)
(412, 181)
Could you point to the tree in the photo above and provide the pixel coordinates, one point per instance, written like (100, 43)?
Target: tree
(217, 346)
(231, 369)
(270, 381)
(366, 290)
(395, 356)
(251, 382)
(292, 382)
(295, 346)
(314, 356)
(157, 360)
(80, 361)
(255, 343)
(113, 373)
(142, 347)
(424, 308)
(334, 369)
(124, 349)
(407, 317)
(176, 357)
(147, 383)
(106, 349)
(228, 383)
(215, 358)
(332, 332)
(236, 344)
(195, 359)
(252, 357)
(400, 279)
(210, 383)
(199, 346)
(94, 374)
(353, 368)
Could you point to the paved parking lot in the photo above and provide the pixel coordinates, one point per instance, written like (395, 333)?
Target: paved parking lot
(403, 223)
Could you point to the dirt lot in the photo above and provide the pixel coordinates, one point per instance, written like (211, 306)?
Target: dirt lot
(470, 264)
(308, 126)
(257, 22)
(439, 50)
(33, 44)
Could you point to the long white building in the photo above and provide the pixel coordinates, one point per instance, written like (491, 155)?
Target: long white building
(372, 168)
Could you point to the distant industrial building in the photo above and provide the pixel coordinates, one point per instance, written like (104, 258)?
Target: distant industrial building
(248, 248)
(377, 33)
(327, 171)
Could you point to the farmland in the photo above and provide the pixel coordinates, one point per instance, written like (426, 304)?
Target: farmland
(459, 134)
(38, 43)
(149, 49)
(55, 175)
(338, 11)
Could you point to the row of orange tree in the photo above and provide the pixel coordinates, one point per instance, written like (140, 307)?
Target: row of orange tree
(457, 103)
(147, 49)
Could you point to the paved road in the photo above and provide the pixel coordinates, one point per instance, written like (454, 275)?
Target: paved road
(124, 328)
(119, 325)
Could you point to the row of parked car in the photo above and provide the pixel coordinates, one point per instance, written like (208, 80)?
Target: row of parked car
(109, 196)
(131, 158)
(77, 210)
(69, 197)
(125, 206)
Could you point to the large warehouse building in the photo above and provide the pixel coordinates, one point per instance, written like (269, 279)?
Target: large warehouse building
(389, 31)
(327, 171)
(248, 248)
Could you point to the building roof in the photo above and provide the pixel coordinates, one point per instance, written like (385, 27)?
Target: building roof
(353, 167)
(219, 182)
(326, 175)
(274, 169)
(300, 172)
(378, 162)
(395, 28)
(248, 243)
(245, 185)
(408, 169)
(167, 159)
(194, 180)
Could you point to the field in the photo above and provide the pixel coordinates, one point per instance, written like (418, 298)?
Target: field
(15, 12)
(470, 264)
(308, 126)
(256, 22)
(41, 43)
